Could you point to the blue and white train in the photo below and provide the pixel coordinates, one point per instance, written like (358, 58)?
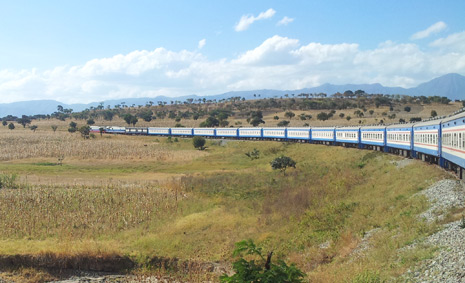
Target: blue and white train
(440, 141)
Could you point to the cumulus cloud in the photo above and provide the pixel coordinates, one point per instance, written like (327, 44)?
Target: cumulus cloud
(277, 63)
(247, 20)
(273, 51)
(285, 21)
(202, 43)
(435, 28)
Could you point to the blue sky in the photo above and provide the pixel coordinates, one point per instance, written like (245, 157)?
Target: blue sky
(83, 51)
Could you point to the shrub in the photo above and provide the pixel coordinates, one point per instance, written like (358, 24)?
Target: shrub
(261, 269)
(254, 154)
(199, 142)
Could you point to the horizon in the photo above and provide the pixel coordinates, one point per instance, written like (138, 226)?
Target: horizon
(218, 94)
(83, 52)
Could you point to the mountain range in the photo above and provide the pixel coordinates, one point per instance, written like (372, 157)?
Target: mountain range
(451, 86)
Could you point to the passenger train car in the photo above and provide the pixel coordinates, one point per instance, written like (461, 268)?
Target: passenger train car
(440, 141)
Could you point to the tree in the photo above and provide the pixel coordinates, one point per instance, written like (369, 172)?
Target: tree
(85, 131)
(108, 115)
(4, 123)
(322, 116)
(24, 120)
(127, 118)
(90, 121)
(407, 108)
(255, 118)
(289, 114)
(72, 125)
(33, 128)
(101, 130)
(341, 115)
(199, 142)
(134, 121)
(146, 115)
(434, 113)
(11, 126)
(282, 163)
(210, 122)
(260, 269)
(54, 127)
(283, 123)
(276, 117)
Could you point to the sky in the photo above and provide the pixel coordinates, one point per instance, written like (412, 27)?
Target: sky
(89, 51)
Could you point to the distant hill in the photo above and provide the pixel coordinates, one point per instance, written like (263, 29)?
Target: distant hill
(450, 85)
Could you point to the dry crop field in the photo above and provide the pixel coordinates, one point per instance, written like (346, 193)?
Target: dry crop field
(145, 196)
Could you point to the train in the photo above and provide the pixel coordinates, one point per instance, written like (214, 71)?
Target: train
(439, 140)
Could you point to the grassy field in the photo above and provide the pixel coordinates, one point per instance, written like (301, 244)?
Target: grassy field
(146, 196)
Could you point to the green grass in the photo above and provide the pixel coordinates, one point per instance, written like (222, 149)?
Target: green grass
(222, 197)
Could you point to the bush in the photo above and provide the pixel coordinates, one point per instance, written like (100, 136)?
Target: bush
(199, 143)
(261, 269)
(255, 154)
(282, 163)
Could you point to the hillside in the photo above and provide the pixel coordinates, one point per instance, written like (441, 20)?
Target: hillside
(145, 199)
(451, 86)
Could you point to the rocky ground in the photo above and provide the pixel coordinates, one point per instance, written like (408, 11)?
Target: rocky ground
(448, 265)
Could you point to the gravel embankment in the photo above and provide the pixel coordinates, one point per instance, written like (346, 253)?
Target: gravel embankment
(449, 263)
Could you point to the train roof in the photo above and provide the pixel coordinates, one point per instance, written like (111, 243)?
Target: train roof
(348, 128)
(323, 128)
(374, 127)
(429, 122)
(403, 125)
(456, 115)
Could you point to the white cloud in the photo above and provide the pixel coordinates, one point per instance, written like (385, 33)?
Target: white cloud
(435, 28)
(274, 50)
(247, 20)
(202, 43)
(277, 63)
(285, 21)
(455, 41)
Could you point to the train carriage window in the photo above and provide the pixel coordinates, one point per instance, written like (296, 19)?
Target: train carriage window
(463, 141)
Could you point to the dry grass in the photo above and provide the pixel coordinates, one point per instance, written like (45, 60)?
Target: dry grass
(23, 145)
(80, 212)
(217, 198)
